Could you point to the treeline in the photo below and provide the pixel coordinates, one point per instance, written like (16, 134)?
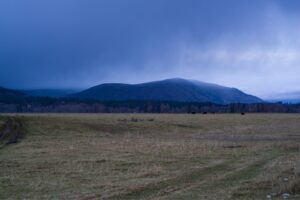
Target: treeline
(52, 105)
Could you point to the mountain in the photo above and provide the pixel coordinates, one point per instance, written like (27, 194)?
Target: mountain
(177, 89)
(49, 92)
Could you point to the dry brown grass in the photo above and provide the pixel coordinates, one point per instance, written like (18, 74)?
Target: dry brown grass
(150, 156)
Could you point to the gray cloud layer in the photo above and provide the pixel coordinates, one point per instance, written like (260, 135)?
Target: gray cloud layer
(252, 45)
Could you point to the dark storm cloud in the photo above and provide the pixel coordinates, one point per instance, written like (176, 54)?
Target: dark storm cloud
(76, 43)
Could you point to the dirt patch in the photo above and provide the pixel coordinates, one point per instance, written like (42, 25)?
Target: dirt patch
(135, 120)
(233, 146)
(11, 131)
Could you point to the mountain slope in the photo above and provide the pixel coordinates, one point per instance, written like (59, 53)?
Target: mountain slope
(168, 90)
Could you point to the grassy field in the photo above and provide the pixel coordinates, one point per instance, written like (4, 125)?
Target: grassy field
(153, 156)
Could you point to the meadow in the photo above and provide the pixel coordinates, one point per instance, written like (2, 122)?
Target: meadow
(153, 156)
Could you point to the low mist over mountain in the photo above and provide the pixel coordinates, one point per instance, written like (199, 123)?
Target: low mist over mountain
(287, 97)
(168, 90)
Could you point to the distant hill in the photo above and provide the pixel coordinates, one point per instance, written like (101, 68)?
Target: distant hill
(177, 89)
(5, 92)
(10, 95)
(49, 92)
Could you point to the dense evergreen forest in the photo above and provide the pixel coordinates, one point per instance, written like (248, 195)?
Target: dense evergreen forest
(63, 105)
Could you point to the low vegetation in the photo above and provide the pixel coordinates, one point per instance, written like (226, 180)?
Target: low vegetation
(152, 156)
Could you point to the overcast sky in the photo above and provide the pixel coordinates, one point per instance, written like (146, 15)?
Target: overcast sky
(252, 45)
